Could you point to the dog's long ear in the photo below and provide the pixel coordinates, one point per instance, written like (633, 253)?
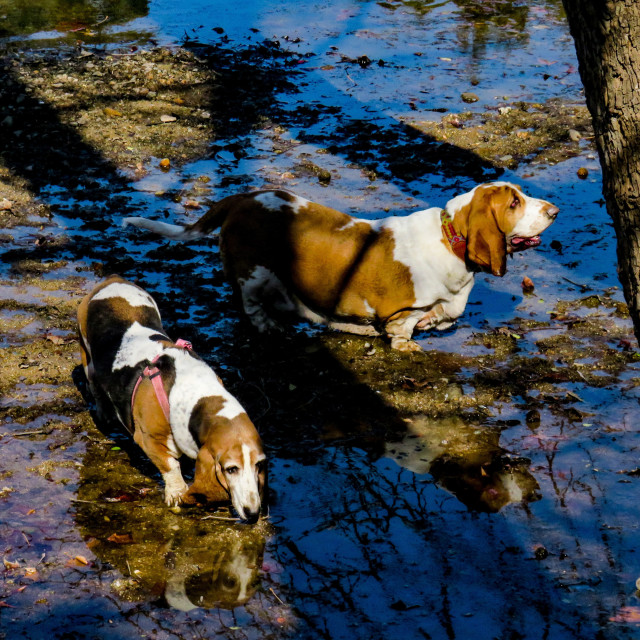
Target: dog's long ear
(486, 243)
(209, 480)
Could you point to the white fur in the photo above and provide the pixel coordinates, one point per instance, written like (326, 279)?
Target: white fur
(135, 296)
(194, 380)
(174, 231)
(136, 346)
(271, 201)
(438, 275)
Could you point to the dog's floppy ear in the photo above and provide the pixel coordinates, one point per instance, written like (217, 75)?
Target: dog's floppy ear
(209, 480)
(486, 243)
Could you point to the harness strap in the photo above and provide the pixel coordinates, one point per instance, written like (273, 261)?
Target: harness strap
(153, 373)
(458, 243)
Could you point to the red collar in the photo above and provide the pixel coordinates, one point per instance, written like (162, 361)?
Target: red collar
(458, 243)
(153, 373)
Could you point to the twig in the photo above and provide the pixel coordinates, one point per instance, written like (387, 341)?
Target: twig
(222, 518)
(24, 535)
(28, 433)
(41, 559)
(584, 287)
(129, 567)
(84, 501)
(275, 595)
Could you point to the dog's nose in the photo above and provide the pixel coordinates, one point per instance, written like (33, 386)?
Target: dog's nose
(552, 211)
(251, 517)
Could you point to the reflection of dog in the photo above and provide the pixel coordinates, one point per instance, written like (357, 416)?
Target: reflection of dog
(286, 254)
(170, 400)
(471, 466)
(226, 577)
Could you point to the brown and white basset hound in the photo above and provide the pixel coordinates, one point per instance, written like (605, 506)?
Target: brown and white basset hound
(169, 399)
(285, 254)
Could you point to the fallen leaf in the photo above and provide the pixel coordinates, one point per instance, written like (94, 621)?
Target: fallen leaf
(111, 113)
(5, 204)
(527, 284)
(120, 538)
(627, 614)
(191, 204)
(10, 565)
(81, 560)
(55, 339)
(31, 573)
(4, 604)
(31, 512)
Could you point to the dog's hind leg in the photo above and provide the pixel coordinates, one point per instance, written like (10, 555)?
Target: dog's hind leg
(263, 291)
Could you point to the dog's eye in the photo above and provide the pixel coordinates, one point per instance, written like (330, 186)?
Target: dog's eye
(232, 470)
(515, 203)
(260, 465)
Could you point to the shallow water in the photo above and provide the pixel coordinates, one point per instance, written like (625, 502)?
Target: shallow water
(383, 522)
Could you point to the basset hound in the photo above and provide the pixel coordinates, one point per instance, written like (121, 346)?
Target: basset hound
(169, 399)
(285, 255)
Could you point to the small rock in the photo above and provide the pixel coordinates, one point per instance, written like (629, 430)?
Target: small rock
(111, 113)
(191, 204)
(469, 97)
(541, 553)
(165, 163)
(166, 118)
(504, 110)
(582, 173)
(5, 204)
(574, 135)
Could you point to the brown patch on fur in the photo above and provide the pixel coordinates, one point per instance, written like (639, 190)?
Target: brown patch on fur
(152, 430)
(330, 261)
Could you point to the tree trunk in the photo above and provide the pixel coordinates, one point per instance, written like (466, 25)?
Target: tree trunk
(607, 39)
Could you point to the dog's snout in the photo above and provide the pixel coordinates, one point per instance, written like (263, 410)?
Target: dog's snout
(552, 211)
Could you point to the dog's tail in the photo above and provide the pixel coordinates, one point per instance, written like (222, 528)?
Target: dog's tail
(209, 222)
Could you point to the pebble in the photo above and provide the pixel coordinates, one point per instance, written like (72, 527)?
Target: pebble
(469, 97)
(582, 173)
(574, 135)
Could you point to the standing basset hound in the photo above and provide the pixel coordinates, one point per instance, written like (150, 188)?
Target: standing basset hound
(169, 399)
(285, 254)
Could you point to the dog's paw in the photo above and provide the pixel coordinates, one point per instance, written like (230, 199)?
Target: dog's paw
(402, 344)
(174, 493)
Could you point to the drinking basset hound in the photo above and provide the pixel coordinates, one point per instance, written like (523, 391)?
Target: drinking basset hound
(284, 254)
(169, 399)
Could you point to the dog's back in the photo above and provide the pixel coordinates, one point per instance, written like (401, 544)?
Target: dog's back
(120, 330)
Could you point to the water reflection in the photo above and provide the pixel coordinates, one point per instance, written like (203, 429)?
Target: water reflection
(467, 461)
(77, 18)
(188, 559)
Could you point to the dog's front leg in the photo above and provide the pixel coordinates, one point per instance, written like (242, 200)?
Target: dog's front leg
(400, 329)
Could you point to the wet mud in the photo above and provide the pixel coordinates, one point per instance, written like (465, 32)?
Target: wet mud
(488, 482)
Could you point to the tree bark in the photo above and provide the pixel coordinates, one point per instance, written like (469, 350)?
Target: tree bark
(607, 40)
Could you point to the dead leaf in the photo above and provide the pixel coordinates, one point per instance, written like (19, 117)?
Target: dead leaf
(527, 284)
(31, 573)
(82, 560)
(10, 565)
(53, 338)
(5, 204)
(191, 204)
(31, 512)
(120, 538)
(4, 604)
(626, 615)
(111, 113)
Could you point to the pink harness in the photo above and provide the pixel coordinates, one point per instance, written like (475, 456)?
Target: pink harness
(153, 373)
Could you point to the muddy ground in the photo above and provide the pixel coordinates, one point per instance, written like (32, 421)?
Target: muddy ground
(83, 505)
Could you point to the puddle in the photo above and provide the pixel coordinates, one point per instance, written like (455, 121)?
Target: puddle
(486, 486)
